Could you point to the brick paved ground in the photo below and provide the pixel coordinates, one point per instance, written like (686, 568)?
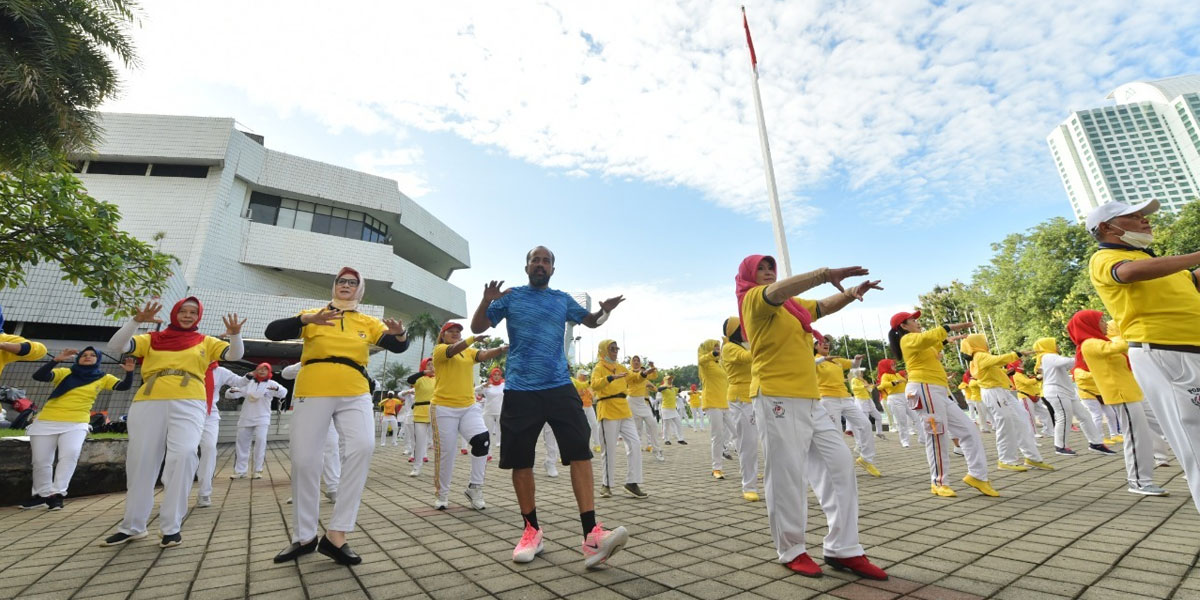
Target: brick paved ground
(1072, 533)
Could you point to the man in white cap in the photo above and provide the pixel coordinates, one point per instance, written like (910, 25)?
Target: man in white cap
(1156, 306)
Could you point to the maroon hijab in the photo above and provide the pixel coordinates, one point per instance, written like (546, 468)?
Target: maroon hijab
(746, 281)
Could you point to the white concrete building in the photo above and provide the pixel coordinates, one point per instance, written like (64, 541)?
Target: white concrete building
(257, 231)
(1146, 146)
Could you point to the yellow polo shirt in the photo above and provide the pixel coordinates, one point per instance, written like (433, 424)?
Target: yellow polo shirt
(635, 384)
(988, 369)
(831, 377)
(194, 360)
(1161, 311)
(455, 384)
(36, 350)
(609, 408)
(74, 406)
(669, 396)
(422, 398)
(781, 350)
(1111, 371)
(858, 387)
(694, 399)
(736, 361)
(1026, 385)
(349, 337)
(1085, 384)
(920, 351)
(715, 382)
(390, 406)
(892, 383)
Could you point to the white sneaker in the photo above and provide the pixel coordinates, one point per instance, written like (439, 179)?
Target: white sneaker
(959, 451)
(331, 495)
(441, 504)
(1161, 463)
(202, 501)
(238, 476)
(475, 495)
(1149, 490)
(659, 456)
(529, 546)
(289, 500)
(600, 544)
(258, 474)
(414, 472)
(551, 469)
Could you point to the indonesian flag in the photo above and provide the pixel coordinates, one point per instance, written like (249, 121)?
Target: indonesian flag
(749, 41)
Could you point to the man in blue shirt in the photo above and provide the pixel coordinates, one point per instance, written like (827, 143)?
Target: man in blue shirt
(538, 391)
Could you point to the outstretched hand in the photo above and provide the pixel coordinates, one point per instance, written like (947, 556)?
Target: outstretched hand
(148, 313)
(861, 289)
(232, 325)
(66, 354)
(608, 305)
(492, 291)
(128, 364)
(324, 317)
(394, 327)
(837, 275)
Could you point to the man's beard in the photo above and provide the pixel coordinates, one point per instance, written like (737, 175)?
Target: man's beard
(537, 279)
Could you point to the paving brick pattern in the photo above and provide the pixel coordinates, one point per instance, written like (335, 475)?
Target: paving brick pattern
(1071, 533)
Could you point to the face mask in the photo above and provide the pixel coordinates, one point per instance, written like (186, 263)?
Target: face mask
(1136, 239)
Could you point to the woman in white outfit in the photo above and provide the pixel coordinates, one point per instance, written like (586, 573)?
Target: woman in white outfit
(62, 424)
(255, 419)
(860, 388)
(333, 386)
(331, 461)
(493, 400)
(168, 412)
(892, 385)
(1059, 390)
(207, 466)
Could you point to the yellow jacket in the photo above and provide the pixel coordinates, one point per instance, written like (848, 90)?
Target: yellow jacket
(712, 377)
(736, 361)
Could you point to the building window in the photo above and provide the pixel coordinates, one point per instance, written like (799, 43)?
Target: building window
(263, 208)
(317, 218)
(104, 167)
(193, 171)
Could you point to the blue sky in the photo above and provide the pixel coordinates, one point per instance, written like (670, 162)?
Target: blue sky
(907, 136)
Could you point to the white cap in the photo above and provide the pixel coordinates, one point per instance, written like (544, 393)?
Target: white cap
(1112, 210)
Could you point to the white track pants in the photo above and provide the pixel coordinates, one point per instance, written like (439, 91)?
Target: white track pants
(161, 429)
(208, 452)
(331, 460)
(644, 418)
(847, 408)
(1066, 407)
(906, 419)
(610, 430)
(448, 424)
(979, 414)
(1139, 444)
(593, 424)
(1171, 382)
(746, 434)
(671, 426)
(717, 418)
(492, 422)
(551, 444)
(804, 448)
(1014, 426)
(257, 434)
(869, 411)
(1039, 410)
(422, 435)
(942, 420)
(1100, 414)
(48, 480)
(355, 423)
(385, 422)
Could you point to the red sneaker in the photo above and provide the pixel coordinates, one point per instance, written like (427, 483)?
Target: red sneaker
(489, 458)
(462, 450)
(410, 459)
(859, 565)
(426, 459)
(850, 433)
(805, 566)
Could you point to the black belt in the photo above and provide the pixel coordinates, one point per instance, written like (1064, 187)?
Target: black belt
(1171, 347)
(341, 360)
(620, 395)
(420, 403)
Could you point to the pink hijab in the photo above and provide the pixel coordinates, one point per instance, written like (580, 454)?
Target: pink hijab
(745, 280)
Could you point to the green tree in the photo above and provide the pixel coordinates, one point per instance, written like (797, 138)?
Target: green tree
(393, 376)
(48, 216)
(1178, 233)
(55, 69)
(683, 376)
(425, 327)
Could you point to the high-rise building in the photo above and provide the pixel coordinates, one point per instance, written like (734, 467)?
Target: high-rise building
(257, 232)
(1147, 146)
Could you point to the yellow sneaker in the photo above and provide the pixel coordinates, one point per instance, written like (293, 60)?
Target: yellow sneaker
(750, 496)
(649, 448)
(870, 468)
(1110, 441)
(942, 490)
(1008, 467)
(597, 449)
(1037, 464)
(1120, 439)
(718, 475)
(984, 487)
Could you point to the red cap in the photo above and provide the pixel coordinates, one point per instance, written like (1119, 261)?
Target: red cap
(901, 317)
(447, 327)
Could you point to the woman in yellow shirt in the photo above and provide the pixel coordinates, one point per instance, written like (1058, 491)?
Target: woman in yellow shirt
(670, 412)
(616, 420)
(736, 360)
(1014, 426)
(636, 396)
(456, 413)
(333, 385)
(583, 386)
(929, 397)
(891, 384)
(14, 348)
(1107, 360)
(168, 412)
(713, 399)
(840, 404)
(62, 424)
(800, 442)
(861, 389)
(1029, 392)
(423, 381)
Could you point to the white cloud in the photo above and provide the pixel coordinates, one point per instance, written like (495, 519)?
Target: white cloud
(907, 103)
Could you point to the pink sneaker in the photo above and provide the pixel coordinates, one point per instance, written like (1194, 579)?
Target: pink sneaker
(600, 544)
(529, 546)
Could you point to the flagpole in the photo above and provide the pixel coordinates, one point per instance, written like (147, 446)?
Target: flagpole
(785, 262)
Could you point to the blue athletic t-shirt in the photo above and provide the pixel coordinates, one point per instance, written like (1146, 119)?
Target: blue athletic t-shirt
(537, 321)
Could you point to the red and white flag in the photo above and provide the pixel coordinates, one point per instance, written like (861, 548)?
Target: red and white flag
(749, 42)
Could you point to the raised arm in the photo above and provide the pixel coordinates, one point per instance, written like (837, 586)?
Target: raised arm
(491, 292)
(1153, 268)
(596, 319)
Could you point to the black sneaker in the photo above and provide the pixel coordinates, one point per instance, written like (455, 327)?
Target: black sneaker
(119, 538)
(1100, 449)
(635, 490)
(170, 540)
(727, 455)
(35, 501)
(682, 443)
(668, 442)
(55, 502)
(1064, 451)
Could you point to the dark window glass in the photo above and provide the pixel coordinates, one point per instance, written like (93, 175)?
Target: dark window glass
(367, 233)
(194, 171)
(263, 208)
(337, 226)
(320, 223)
(100, 167)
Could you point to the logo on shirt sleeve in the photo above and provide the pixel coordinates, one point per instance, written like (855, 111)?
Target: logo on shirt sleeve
(1195, 393)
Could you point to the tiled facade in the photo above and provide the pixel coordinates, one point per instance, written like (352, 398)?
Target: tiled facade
(260, 271)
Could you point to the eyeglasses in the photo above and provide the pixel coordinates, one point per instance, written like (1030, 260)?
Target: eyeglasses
(349, 282)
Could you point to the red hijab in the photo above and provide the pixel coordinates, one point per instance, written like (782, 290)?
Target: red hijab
(175, 337)
(885, 367)
(745, 280)
(496, 376)
(269, 372)
(1086, 325)
(425, 364)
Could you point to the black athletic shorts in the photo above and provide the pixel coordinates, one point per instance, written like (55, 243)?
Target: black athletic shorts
(525, 412)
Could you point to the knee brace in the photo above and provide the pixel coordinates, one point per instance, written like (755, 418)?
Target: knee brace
(480, 444)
